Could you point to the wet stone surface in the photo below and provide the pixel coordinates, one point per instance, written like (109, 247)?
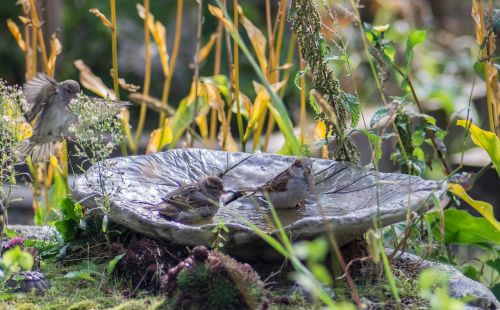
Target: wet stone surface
(345, 194)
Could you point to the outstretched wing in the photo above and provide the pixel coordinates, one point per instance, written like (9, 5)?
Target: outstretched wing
(37, 92)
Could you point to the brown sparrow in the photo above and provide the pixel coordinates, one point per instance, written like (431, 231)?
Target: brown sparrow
(48, 100)
(192, 202)
(289, 188)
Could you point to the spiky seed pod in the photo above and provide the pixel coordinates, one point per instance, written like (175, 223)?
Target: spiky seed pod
(212, 280)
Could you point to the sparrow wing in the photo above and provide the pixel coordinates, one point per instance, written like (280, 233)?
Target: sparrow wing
(37, 92)
(278, 184)
(182, 198)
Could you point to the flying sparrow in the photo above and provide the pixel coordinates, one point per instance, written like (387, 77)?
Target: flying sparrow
(192, 202)
(48, 100)
(288, 189)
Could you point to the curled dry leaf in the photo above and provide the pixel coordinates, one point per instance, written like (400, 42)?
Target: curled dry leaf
(26, 21)
(16, 34)
(205, 50)
(102, 17)
(92, 82)
(258, 41)
(159, 34)
(55, 50)
(151, 102)
(215, 11)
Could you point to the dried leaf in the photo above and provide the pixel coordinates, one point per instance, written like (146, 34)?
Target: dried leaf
(26, 21)
(159, 34)
(92, 82)
(205, 50)
(102, 17)
(258, 41)
(55, 50)
(215, 11)
(151, 102)
(260, 104)
(214, 97)
(201, 121)
(320, 130)
(16, 34)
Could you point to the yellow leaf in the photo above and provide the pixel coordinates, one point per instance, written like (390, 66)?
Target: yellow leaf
(16, 34)
(159, 34)
(159, 138)
(201, 121)
(55, 50)
(92, 82)
(205, 50)
(258, 41)
(484, 208)
(103, 18)
(215, 11)
(320, 130)
(260, 104)
(486, 140)
(214, 97)
(26, 21)
(55, 164)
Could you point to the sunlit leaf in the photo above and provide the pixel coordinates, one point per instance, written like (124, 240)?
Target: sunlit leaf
(260, 104)
(484, 208)
(205, 50)
(159, 34)
(215, 11)
(112, 263)
(415, 38)
(55, 50)
(258, 41)
(92, 82)
(380, 113)
(462, 228)
(486, 140)
(159, 138)
(16, 34)
(103, 18)
(320, 130)
(15, 259)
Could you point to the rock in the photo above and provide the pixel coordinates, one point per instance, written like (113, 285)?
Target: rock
(26, 281)
(459, 285)
(346, 196)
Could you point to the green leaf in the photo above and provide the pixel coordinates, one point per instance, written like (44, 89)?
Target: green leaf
(314, 104)
(82, 275)
(484, 208)
(486, 140)
(418, 137)
(415, 38)
(67, 228)
(322, 274)
(71, 210)
(297, 78)
(376, 142)
(479, 69)
(380, 113)
(495, 264)
(112, 263)
(462, 228)
(419, 153)
(471, 272)
(352, 104)
(15, 259)
(182, 118)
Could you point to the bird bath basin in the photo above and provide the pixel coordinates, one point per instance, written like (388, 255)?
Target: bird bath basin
(346, 201)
